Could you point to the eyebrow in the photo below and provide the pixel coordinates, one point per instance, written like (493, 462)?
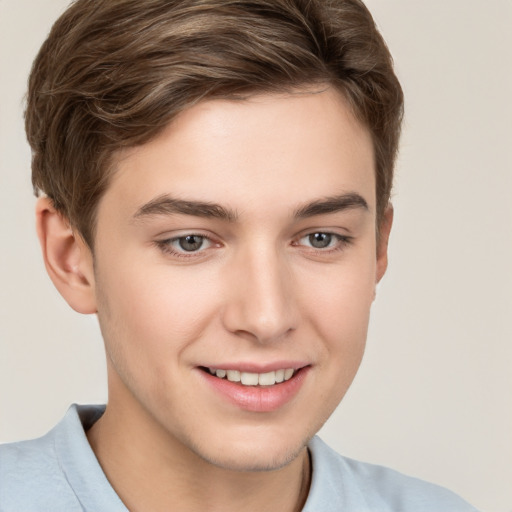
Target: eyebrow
(166, 205)
(332, 204)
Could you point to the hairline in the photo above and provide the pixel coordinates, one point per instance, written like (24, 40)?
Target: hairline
(304, 88)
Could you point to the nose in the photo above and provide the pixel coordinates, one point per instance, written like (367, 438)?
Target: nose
(261, 302)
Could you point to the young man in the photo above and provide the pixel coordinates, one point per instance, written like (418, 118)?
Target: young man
(214, 181)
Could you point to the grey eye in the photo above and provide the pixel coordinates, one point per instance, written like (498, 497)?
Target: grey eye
(191, 243)
(320, 240)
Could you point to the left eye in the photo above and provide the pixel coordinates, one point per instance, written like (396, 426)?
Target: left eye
(320, 240)
(189, 243)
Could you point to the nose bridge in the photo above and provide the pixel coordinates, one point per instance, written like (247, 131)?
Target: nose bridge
(261, 303)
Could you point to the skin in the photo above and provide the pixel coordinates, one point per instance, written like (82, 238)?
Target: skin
(256, 292)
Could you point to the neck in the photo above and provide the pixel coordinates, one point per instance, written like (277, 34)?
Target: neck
(151, 471)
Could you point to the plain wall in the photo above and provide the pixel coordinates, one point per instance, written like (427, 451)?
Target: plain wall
(434, 394)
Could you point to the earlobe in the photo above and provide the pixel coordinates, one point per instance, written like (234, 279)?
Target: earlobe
(383, 242)
(67, 258)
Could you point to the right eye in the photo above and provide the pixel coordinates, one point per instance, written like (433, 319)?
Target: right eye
(183, 246)
(190, 243)
(321, 240)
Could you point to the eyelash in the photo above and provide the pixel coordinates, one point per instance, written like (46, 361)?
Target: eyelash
(342, 241)
(166, 246)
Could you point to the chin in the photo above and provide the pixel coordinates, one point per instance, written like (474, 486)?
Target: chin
(249, 461)
(253, 454)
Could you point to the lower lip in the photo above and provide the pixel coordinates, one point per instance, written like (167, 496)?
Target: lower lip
(257, 398)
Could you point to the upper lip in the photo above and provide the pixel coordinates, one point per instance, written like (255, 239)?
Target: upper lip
(252, 367)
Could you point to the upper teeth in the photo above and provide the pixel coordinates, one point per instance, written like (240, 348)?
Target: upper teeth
(254, 379)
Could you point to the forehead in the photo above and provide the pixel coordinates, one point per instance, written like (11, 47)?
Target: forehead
(265, 152)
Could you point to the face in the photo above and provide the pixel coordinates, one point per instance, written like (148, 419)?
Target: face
(235, 266)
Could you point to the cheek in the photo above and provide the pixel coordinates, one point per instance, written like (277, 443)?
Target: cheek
(154, 310)
(339, 312)
(340, 300)
(148, 321)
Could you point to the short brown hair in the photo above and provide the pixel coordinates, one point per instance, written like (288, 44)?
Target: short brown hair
(113, 73)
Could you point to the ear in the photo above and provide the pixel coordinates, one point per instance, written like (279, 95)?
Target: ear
(383, 241)
(67, 258)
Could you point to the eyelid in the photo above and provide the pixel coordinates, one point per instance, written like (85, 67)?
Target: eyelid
(165, 244)
(342, 240)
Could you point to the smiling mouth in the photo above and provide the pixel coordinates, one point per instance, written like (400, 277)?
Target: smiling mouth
(253, 379)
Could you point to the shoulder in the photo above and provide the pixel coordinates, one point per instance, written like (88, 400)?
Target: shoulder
(41, 474)
(31, 477)
(341, 482)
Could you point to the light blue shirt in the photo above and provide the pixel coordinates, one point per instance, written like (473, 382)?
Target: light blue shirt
(60, 473)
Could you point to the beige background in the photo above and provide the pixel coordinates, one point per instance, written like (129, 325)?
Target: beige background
(434, 395)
